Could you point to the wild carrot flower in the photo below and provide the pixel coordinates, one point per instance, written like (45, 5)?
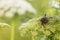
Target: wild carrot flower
(12, 6)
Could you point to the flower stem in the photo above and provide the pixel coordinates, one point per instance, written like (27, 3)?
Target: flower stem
(12, 32)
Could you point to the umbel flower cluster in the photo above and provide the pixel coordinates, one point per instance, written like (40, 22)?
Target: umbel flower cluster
(33, 27)
(9, 7)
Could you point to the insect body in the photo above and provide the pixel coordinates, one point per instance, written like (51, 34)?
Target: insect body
(44, 20)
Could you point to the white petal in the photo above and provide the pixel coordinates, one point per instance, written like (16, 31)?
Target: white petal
(9, 14)
(21, 11)
(55, 4)
(13, 9)
(1, 13)
(30, 8)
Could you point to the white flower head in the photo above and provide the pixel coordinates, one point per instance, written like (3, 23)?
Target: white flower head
(31, 22)
(4, 24)
(1, 13)
(21, 6)
(54, 3)
(25, 6)
(9, 14)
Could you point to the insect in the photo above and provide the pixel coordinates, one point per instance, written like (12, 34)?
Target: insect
(44, 20)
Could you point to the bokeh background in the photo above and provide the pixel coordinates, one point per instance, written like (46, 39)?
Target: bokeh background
(21, 13)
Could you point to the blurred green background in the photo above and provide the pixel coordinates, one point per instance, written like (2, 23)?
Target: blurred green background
(41, 6)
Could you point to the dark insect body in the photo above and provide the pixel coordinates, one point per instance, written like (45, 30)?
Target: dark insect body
(44, 20)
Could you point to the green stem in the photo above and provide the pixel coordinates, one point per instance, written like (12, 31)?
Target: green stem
(12, 32)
